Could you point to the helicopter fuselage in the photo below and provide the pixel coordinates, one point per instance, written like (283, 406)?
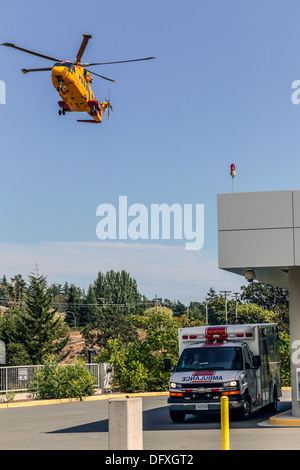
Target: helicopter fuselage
(72, 82)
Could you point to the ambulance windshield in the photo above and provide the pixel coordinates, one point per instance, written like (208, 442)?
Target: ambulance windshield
(210, 358)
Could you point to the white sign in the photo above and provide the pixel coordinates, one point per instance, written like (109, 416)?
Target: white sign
(23, 374)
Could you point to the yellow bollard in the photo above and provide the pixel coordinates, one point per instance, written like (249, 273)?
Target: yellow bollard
(225, 422)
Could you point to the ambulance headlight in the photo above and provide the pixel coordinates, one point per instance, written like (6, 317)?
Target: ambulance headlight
(174, 385)
(233, 383)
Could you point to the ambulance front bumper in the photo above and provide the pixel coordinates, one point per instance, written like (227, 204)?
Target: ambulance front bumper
(198, 406)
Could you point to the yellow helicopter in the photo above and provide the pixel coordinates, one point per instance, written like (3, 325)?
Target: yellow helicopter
(72, 81)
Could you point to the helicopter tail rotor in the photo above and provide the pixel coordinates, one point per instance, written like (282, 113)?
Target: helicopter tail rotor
(109, 107)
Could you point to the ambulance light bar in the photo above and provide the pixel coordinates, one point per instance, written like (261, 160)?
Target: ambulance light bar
(193, 337)
(219, 334)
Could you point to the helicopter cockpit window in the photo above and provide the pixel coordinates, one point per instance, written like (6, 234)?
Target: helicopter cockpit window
(65, 64)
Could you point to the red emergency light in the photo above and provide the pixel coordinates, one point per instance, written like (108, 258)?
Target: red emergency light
(216, 333)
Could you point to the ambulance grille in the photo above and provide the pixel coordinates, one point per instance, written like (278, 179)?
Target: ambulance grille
(203, 385)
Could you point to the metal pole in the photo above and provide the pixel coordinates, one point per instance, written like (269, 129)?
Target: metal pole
(225, 422)
(232, 173)
(225, 292)
(236, 297)
(206, 311)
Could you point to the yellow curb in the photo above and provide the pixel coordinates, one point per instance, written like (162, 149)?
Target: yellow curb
(75, 400)
(279, 420)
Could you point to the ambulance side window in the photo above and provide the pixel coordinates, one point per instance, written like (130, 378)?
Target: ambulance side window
(248, 362)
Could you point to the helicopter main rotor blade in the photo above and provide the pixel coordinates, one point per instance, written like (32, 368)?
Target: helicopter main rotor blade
(36, 70)
(54, 59)
(86, 38)
(117, 62)
(101, 76)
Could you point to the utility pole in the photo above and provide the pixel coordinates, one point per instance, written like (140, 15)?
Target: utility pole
(225, 292)
(237, 294)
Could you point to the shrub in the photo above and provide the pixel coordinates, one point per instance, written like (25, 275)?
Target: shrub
(54, 381)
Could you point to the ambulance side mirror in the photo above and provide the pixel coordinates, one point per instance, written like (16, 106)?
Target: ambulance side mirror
(256, 362)
(167, 364)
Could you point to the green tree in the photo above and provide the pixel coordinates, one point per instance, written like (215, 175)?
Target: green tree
(17, 355)
(216, 309)
(39, 328)
(251, 313)
(74, 303)
(109, 324)
(12, 294)
(59, 298)
(119, 288)
(19, 288)
(3, 292)
(130, 373)
(90, 308)
(197, 311)
(265, 295)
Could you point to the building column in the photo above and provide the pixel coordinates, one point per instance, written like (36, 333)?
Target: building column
(294, 319)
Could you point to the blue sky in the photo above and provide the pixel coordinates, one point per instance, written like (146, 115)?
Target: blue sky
(218, 92)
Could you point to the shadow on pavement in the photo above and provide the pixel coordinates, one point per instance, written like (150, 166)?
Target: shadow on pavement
(157, 419)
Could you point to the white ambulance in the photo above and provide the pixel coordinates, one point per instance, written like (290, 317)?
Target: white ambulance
(239, 361)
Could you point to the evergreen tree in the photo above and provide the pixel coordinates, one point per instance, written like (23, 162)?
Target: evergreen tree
(40, 329)
(3, 291)
(75, 299)
(116, 287)
(19, 288)
(13, 293)
(110, 324)
(90, 312)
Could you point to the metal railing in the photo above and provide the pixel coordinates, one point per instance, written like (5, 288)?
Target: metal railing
(19, 378)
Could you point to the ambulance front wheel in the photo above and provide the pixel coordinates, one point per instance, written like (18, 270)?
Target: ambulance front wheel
(177, 416)
(245, 410)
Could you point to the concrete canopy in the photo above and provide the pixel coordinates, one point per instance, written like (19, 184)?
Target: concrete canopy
(260, 231)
